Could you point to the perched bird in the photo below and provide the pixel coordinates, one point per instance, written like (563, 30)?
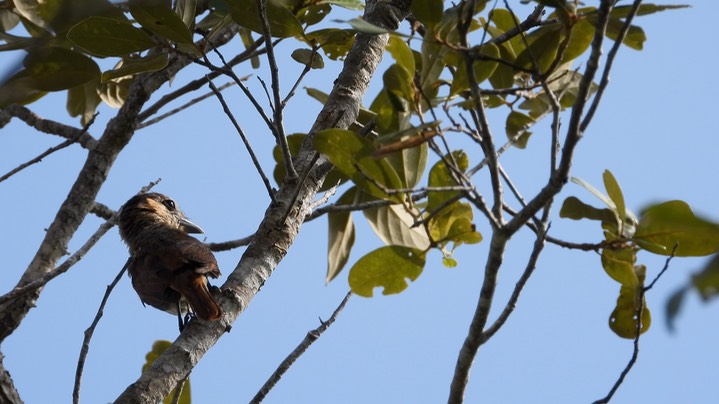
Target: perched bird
(169, 268)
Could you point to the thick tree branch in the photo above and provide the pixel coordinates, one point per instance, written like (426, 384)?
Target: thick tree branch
(47, 126)
(282, 221)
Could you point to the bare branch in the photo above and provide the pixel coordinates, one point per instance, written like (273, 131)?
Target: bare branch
(246, 141)
(309, 339)
(47, 126)
(183, 106)
(90, 331)
(49, 151)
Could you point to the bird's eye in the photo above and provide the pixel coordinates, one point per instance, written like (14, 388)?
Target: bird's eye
(170, 204)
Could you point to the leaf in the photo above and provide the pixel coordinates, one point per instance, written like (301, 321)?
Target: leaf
(158, 347)
(483, 69)
(352, 155)
(674, 306)
(393, 225)
(672, 223)
(283, 24)
(614, 191)
(364, 117)
(644, 9)
(364, 27)
(454, 224)
(109, 37)
(157, 17)
(348, 4)
(439, 176)
(185, 9)
(132, 66)
(579, 41)
(706, 281)
(308, 57)
(517, 128)
(401, 53)
(573, 208)
(387, 267)
(623, 320)
(8, 20)
(542, 50)
(20, 88)
(341, 236)
(55, 69)
(83, 100)
(428, 12)
(114, 92)
(294, 142)
(619, 265)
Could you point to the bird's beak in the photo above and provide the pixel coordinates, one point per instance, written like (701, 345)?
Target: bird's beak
(190, 227)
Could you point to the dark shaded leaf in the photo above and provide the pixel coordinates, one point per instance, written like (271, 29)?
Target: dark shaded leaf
(55, 69)
(159, 18)
(109, 37)
(282, 22)
(308, 57)
(341, 236)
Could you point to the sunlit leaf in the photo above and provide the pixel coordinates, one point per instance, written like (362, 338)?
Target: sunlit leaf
(667, 224)
(341, 236)
(614, 191)
(624, 320)
(573, 208)
(440, 176)
(388, 267)
(294, 142)
(401, 53)
(619, 265)
(394, 226)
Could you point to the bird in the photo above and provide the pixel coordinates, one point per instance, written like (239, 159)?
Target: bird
(168, 267)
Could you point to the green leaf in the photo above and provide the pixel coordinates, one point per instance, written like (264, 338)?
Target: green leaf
(543, 47)
(517, 128)
(109, 37)
(185, 9)
(158, 347)
(401, 53)
(133, 66)
(83, 101)
(159, 18)
(483, 69)
(619, 265)
(579, 41)
(393, 225)
(348, 4)
(365, 115)
(20, 89)
(364, 27)
(308, 57)
(674, 306)
(409, 163)
(575, 209)
(294, 142)
(55, 69)
(439, 176)
(335, 43)
(352, 155)
(614, 191)
(667, 224)
(706, 282)
(454, 224)
(283, 24)
(387, 267)
(623, 320)
(428, 12)
(341, 232)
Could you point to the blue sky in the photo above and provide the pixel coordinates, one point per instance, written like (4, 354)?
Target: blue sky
(655, 131)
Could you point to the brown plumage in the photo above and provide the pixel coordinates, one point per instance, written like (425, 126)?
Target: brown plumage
(169, 268)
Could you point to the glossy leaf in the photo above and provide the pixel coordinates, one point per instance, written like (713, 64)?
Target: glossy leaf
(387, 267)
(341, 236)
(394, 226)
(157, 17)
(282, 22)
(672, 223)
(158, 347)
(185, 9)
(308, 58)
(503, 75)
(109, 37)
(614, 191)
(454, 224)
(352, 155)
(55, 69)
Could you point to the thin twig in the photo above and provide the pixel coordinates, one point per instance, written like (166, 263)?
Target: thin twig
(229, 245)
(48, 126)
(248, 146)
(183, 106)
(90, 331)
(310, 338)
(50, 150)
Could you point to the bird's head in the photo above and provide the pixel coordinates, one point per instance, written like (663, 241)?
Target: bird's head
(151, 212)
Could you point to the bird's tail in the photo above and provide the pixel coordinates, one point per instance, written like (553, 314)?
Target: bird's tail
(197, 292)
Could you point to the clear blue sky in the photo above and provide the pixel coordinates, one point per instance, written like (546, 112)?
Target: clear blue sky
(655, 131)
